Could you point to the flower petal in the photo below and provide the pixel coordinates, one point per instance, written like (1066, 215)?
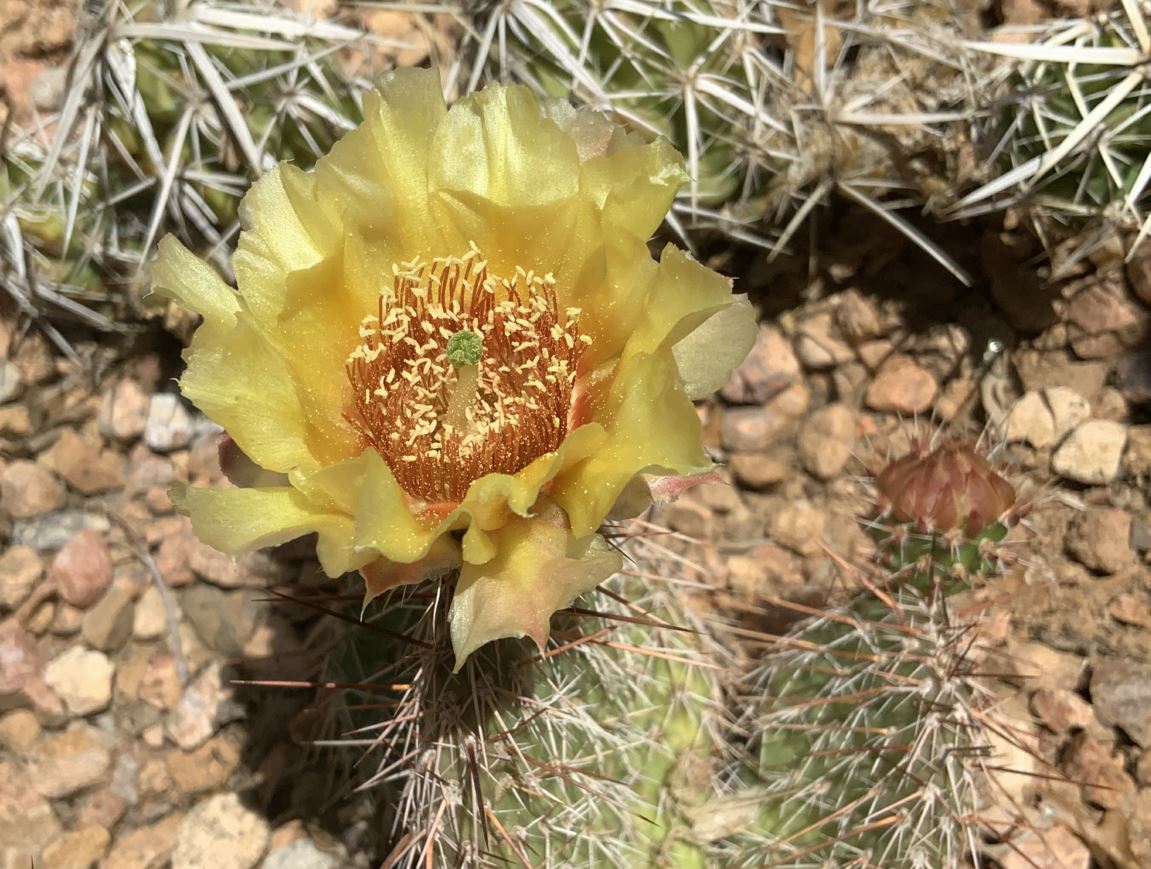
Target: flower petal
(275, 242)
(707, 355)
(683, 296)
(240, 382)
(378, 173)
(180, 275)
(651, 427)
(540, 568)
(382, 575)
(634, 185)
(239, 520)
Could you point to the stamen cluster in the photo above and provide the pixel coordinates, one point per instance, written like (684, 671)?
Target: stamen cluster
(441, 420)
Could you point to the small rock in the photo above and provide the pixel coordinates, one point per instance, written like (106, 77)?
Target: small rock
(1101, 322)
(1137, 457)
(77, 849)
(52, 532)
(304, 854)
(763, 570)
(65, 763)
(1138, 812)
(1037, 665)
(84, 466)
(148, 472)
(205, 707)
(153, 778)
(67, 621)
(751, 429)
(1133, 377)
(124, 411)
(769, 369)
(1131, 609)
(151, 618)
(19, 729)
(20, 571)
(1110, 404)
(225, 620)
(83, 569)
(160, 684)
(173, 558)
(798, 526)
(206, 768)
(104, 808)
(1061, 710)
(27, 821)
(1057, 848)
(1038, 370)
(15, 421)
(817, 345)
(28, 489)
(11, 381)
(857, 316)
(1121, 694)
(1100, 771)
(1091, 453)
(82, 679)
(874, 353)
(169, 425)
(757, 471)
(826, 439)
(1068, 409)
(901, 386)
(1029, 420)
(147, 847)
(1100, 539)
(221, 818)
(849, 381)
(21, 674)
(108, 624)
(213, 565)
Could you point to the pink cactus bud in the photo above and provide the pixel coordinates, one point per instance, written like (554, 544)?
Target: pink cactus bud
(950, 488)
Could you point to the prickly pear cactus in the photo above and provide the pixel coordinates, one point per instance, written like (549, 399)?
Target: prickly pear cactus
(864, 722)
(590, 754)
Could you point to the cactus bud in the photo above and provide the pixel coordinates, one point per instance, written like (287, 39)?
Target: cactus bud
(950, 488)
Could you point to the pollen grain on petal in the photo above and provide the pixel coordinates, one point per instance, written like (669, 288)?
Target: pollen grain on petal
(462, 373)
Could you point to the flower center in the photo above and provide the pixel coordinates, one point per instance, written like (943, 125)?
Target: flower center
(463, 373)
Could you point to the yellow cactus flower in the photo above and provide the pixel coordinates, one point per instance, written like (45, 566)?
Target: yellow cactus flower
(449, 348)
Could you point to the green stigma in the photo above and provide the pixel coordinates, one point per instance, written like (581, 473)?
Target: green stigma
(465, 348)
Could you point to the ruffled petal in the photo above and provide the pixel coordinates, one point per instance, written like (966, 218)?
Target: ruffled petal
(384, 524)
(540, 568)
(707, 355)
(241, 382)
(180, 275)
(683, 295)
(634, 185)
(276, 241)
(239, 520)
(651, 427)
(492, 499)
(382, 575)
(376, 177)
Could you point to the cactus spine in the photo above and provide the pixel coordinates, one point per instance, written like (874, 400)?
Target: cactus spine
(864, 724)
(590, 754)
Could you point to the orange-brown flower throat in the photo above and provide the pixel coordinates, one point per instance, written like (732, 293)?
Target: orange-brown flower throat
(462, 373)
